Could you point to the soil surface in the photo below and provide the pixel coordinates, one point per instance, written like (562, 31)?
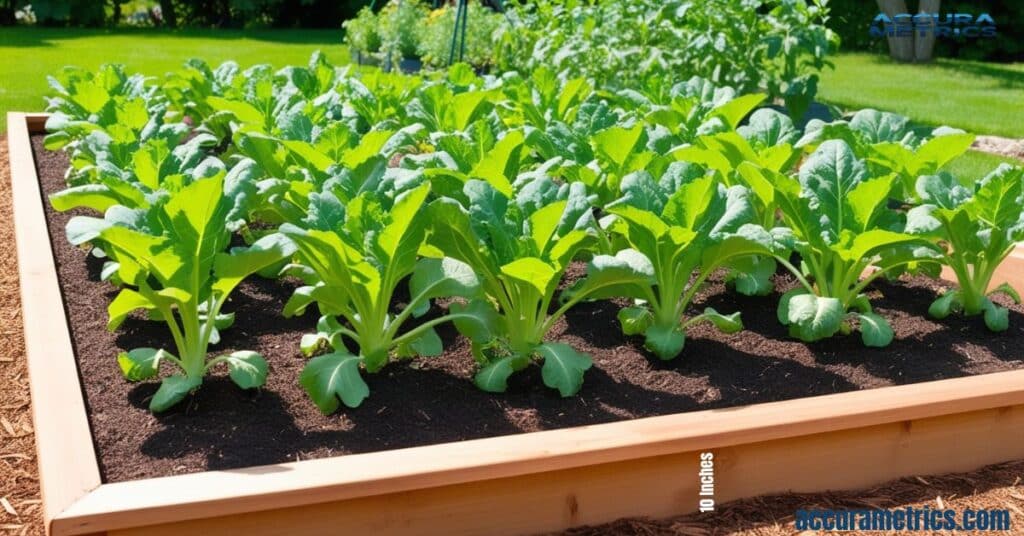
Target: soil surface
(433, 400)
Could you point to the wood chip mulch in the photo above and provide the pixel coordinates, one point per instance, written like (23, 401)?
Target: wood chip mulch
(20, 507)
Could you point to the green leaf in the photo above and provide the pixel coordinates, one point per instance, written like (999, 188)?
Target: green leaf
(501, 163)
(493, 378)
(563, 367)
(530, 271)
(875, 331)
(97, 197)
(173, 389)
(332, 376)
(1005, 288)
(428, 344)
(996, 318)
(752, 275)
(945, 304)
(666, 342)
(126, 301)
(140, 363)
(812, 318)
(725, 323)
(477, 320)
(617, 144)
(243, 111)
(635, 320)
(247, 369)
(626, 274)
(827, 178)
(445, 277)
(736, 109)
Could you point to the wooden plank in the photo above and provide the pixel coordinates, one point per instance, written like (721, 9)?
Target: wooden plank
(659, 486)
(218, 493)
(68, 468)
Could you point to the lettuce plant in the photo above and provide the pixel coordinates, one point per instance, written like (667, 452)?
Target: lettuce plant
(890, 145)
(677, 235)
(182, 276)
(977, 231)
(355, 256)
(519, 246)
(841, 225)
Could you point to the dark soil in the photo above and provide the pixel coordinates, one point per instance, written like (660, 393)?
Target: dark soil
(433, 400)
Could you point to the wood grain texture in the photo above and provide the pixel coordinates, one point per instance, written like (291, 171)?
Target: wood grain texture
(657, 487)
(503, 485)
(68, 468)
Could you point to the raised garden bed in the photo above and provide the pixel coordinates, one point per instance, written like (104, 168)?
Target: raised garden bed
(628, 445)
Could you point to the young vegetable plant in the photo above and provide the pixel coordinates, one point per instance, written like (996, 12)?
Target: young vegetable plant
(356, 256)
(841, 225)
(182, 276)
(677, 235)
(976, 233)
(519, 247)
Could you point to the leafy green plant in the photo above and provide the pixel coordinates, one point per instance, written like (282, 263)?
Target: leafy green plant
(977, 231)
(519, 244)
(841, 225)
(397, 24)
(355, 257)
(889, 144)
(435, 36)
(181, 275)
(678, 230)
(361, 32)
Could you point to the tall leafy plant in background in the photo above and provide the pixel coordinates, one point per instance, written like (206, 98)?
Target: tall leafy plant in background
(977, 231)
(177, 271)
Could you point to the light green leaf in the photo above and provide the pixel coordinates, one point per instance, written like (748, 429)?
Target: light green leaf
(531, 271)
(173, 389)
(477, 320)
(493, 378)
(635, 320)
(945, 304)
(563, 367)
(996, 318)
(736, 109)
(725, 323)
(332, 376)
(813, 318)
(140, 363)
(445, 277)
(875, 331)
(1005, 288)
(247, 369)
(666, 342)
(126, 301)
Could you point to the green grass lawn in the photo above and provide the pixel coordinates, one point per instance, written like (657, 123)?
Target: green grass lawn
(984, 98)
(29, 54)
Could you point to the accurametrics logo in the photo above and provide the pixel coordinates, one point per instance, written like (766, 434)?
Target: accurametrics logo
(953, 25)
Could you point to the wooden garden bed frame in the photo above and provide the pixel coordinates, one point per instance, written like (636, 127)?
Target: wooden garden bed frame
(527, 483)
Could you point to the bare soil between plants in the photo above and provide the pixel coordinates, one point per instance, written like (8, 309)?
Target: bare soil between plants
(433, 400)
